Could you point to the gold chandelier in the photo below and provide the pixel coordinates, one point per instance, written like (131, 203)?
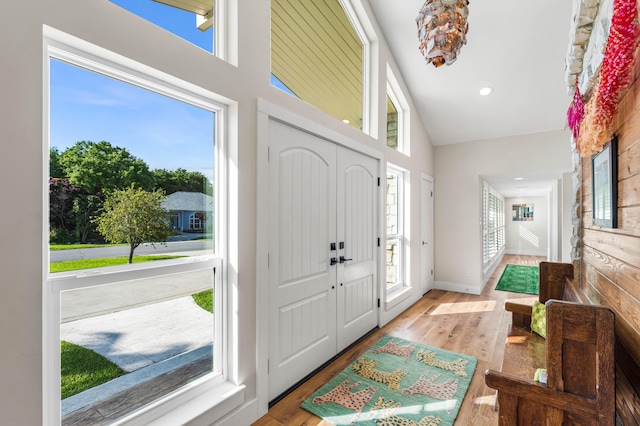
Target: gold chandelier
(442, 30)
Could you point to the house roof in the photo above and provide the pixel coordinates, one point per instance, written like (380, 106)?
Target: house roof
(188, 201)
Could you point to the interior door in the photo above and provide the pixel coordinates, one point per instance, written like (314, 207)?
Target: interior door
(426, 234)
(357, 200)
(302, 281)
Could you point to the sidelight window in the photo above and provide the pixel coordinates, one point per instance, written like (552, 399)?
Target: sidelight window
(396, 241)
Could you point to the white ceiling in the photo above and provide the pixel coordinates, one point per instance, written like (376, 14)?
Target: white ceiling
(516, 47)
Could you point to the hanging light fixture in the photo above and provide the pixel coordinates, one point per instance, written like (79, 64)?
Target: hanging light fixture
(442, 30)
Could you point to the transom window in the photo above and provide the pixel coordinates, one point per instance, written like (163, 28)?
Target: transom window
(397, 115)
(317, 55)
(192, 20)
(392, 124)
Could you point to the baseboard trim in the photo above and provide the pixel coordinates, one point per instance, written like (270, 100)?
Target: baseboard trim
(458, 288)
(527, 253)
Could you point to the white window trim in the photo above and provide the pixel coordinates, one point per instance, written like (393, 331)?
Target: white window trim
(487, 191)
(394, 294)
(363, 28)
(213, 395)
(225, 15)
(395, 92)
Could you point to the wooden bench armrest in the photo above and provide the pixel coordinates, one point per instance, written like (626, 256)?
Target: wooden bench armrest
(531, 390)
(518, 308)
(520, 313)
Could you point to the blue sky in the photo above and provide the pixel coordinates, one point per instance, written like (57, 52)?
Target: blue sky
(163, 132)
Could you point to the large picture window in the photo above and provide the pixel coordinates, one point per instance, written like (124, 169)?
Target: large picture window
(135, 306)
(493, 224)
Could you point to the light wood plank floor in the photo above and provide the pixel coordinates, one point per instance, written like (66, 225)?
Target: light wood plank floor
(469, 324)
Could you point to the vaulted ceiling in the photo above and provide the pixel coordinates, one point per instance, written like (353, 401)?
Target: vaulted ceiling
(516, 47)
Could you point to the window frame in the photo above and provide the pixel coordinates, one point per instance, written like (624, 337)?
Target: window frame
(493, 225)
(222, 391)
(395, 93)
(402, 231)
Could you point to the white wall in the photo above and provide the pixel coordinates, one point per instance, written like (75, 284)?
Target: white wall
(23, 252)
(529, 238)
(458, 168)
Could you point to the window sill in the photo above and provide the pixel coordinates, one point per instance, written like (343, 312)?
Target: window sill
(212, 404)
(397, 295)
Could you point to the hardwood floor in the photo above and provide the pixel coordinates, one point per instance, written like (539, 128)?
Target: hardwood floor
(469, 324)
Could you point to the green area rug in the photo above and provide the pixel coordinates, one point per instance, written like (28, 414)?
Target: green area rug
(396, 382)
(519, 279)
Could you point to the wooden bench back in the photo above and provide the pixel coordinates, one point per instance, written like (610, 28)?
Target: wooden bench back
(553, 280)
(580, 358)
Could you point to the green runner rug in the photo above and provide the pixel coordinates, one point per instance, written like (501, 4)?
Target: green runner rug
(396, 382)
(519, 279)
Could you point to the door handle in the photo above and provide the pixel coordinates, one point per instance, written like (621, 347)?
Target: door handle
(424, 243)
(342, 259)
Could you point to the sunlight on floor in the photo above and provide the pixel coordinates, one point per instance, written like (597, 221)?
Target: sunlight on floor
(421, 410)
(516, 340)
(486, 400)
(465, 307)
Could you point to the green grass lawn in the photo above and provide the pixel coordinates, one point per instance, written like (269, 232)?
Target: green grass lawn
(74, 265)
(204, 299)
(54, 247)
(82, 369)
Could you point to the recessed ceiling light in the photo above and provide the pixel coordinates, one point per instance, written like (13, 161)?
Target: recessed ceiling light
(346, 121)
(519, 179)
(486, 91)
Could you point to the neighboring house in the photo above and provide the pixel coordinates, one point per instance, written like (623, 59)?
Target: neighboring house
(189, 210)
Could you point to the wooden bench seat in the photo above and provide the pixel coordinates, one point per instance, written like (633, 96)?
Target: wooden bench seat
(577, 353)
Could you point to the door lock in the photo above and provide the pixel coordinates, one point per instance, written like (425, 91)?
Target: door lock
(334, 260)
(342, 259)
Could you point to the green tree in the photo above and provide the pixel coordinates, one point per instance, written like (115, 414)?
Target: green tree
(85, 208)
(99, 167)
(181, 180)
(135, 216)
(55, 168)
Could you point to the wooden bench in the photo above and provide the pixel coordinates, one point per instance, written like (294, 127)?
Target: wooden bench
(554, 284)
(578, 356)
(525, 351)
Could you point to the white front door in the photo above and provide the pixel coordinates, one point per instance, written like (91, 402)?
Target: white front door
(302, 281)
(357, 200)
(426, 234)
(322, 252)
